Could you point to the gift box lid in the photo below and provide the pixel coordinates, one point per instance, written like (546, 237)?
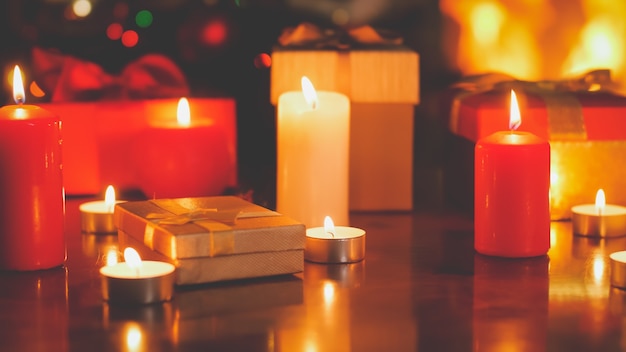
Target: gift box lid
(554, 115)
(208, 226)
(379, 74)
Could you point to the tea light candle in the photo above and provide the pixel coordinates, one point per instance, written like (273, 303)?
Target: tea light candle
(135, 281)
(334, 244)
(32, 202)
(511, 192)
(312, 146)
(599, 219)
(97, 216)
(618, 269)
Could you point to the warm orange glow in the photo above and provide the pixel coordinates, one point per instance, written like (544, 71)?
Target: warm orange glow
(329, 226)
(536, 39)
(132, 258)
(598, 47)
(183, 114)
(486, 20)
(600, 201)
(18, 86)
(109, 198)
(515, 120)
(310, 95)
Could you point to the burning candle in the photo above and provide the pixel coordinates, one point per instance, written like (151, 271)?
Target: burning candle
(136, 281)
(32, 200)
(97, 216)
(334, 244)
(183, 158)
(313, 130)
(599, 219)
(511, 186)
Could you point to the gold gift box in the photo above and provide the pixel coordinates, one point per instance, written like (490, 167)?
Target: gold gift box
(212, 238)
(382, 83)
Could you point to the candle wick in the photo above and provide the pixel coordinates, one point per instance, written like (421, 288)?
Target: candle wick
(332, 234)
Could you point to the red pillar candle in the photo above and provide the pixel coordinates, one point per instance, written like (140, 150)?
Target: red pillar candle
(511, 192)
(31, 186)
(184, 157)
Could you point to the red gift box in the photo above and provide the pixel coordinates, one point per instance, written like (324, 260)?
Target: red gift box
(583, 121)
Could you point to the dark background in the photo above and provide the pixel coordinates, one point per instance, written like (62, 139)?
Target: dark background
(228, 69)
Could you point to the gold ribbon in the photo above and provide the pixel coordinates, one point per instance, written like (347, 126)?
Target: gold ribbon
(217, 222)
(565, 116)
(221, 236)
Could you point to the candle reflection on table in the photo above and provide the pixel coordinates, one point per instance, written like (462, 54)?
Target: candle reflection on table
(521, 321)
(39, 294)
(326, 321)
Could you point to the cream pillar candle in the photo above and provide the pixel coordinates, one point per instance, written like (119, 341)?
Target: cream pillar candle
(313, 131)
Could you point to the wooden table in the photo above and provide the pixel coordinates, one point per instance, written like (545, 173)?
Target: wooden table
(420, 288)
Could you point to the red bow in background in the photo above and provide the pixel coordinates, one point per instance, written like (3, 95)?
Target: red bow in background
(68, 78)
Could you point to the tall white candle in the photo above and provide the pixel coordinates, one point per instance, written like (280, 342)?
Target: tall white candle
(313, 134)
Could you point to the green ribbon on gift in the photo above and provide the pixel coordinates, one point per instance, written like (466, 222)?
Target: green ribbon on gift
(565, 116)
(217, 222)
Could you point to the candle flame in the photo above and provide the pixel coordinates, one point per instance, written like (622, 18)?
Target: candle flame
(18, 86)
(600, 201)
(132, 258)
(329, 226)
(183, 114)
(310, 95)
(109, 198)
(515, 120)
(111, 257)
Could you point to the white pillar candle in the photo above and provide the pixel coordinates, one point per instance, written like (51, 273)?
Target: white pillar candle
(313, 134)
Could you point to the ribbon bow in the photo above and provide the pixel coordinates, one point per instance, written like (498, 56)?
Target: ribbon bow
(307, 34)
(223, 216)
(68, 78)
(590, 81)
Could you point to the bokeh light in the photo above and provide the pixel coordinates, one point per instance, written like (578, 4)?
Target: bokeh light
(81, 8)
(214, 33)
(143, 18)
(262, 60)
(35, 90)
(120, 11)
(114, 31)
(340, 17)
(130, 38)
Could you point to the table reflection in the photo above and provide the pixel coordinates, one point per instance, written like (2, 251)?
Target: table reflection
(510, 304)
(35, 301)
